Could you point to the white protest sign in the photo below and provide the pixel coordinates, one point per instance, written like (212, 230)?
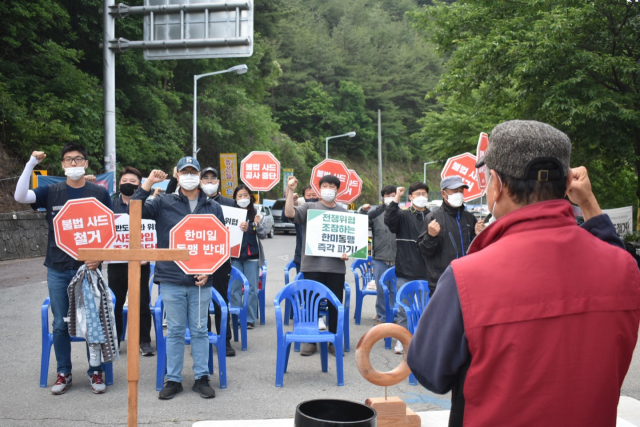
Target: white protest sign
(622, 218)
(232, 218)
(332, 234)
(148, 237)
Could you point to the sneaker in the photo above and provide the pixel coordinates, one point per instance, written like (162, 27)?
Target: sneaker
(399, 349)
(371, 286)
(97, 386)
(321, 325)
(63, 382)
(230, 351)
(203, 387)
(146, 349)
(171, 388)
(250, 325)
(308, 349)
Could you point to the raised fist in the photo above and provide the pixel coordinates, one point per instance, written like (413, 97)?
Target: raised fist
(39, 155)
(157, 176)
(90, 178)
(365, 208)
(292, 183)
(434, 228)
(399, 192)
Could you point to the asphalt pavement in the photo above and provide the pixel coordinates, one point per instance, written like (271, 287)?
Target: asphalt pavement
(251, 392)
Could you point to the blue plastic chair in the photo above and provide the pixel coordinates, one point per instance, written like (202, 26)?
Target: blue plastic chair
(413, 297)
(305, 296)
(389, 279)
(125, 309)
(239, 313)
(262, 289)
(288, 314)
(324, 312)
(47, 342)
(220, 341)
(362, 272)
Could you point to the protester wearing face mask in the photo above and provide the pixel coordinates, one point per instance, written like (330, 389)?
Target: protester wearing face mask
(251, 253)
(326, 270)
(538, 324)
(186, 297)
(448, 231)
(61, 268)
(130, 179)
(383, 247)
(406, 224)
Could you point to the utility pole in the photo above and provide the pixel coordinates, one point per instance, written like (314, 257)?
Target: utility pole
(380, 154)
(109, 69)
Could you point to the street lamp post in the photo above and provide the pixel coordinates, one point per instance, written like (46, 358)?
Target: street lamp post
(350, 135)
(425, 170)
(238, 69)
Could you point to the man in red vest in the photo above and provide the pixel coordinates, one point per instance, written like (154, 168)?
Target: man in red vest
(538, 323)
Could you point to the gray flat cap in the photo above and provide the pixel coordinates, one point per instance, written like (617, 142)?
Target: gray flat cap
(515, 144)
(452, 182)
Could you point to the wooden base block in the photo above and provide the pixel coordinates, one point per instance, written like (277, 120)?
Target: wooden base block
(393, 412)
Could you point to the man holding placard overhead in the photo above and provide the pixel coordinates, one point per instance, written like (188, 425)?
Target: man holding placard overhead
(327, 270)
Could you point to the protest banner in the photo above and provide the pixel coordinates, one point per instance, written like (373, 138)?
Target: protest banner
(228, 173)
(233, 217)
(148, 236)
(332, 234)
(622, 218)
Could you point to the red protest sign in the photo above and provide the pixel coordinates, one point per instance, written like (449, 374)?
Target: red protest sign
(260, 171)
(330, 167)
(483, 145)
(207, 240)
(83, 223)
(354, 188)
(464, 166)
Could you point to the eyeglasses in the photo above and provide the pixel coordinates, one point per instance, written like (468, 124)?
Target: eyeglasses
(79, 160)
(188, 172)
(209, 178)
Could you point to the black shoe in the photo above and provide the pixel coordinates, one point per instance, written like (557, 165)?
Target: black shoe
(230, 351)
(308, 349)
(203, 387)
(146, 349)
(332, 350)
(171, 388)
(250, 325)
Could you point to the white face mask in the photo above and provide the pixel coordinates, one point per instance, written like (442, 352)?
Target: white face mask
(388, 200)
(189, 182)
(420, 202)
(243, 203)
(75, 173)
(209, 189)
(328, 195)
(455, 199)
(493, 215)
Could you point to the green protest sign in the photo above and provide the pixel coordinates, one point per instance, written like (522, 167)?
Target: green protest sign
(332, 234)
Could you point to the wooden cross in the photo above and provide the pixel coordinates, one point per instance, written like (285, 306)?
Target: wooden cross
(135, 256)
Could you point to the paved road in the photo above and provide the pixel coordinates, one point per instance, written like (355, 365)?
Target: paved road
(251, 392)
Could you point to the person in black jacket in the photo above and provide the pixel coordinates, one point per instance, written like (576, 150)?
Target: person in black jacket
(186, 297)
(447, 231)
(407, 225)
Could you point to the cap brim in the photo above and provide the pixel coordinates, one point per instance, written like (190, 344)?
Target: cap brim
(189, 165)
(455, 187)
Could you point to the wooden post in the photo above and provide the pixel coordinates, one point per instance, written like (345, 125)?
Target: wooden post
(134, 255)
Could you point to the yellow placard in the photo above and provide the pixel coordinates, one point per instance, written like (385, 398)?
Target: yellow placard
(256, 199)
(35, 175)
(228, 173)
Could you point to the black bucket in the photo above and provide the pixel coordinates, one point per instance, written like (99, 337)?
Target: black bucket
(334, 413)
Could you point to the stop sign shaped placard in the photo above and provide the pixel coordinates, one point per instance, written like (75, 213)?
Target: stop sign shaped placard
(84, 224)
(330, 167)
(483, 144)
(260, 170)
(354, 188)
(207, 240)
(464, 166)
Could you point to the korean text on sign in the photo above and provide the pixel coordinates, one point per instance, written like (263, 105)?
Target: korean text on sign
(202, 241)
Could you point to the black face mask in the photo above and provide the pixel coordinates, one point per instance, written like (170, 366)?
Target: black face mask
(310, 200)
(128, 189)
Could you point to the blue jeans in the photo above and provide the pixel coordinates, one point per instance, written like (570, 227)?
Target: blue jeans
(402, 316)
(379, 267)
(251, 271)
(58, 282)
(186, 305)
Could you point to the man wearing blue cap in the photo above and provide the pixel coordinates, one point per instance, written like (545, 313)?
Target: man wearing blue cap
(448, 231)
(186, 297)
